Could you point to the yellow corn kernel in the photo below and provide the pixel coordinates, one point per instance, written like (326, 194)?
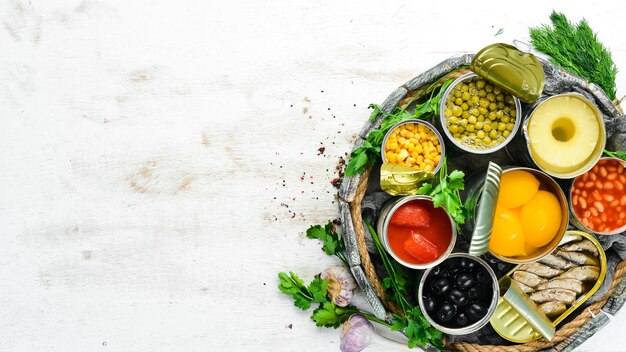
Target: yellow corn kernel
(420, 159)
(401, 140)
(410, 160)
(407, 143)
(439, 148)
(404, 132)
(410, 134)
(391, 157)
(403, 155)
(428, 167)
(393, 145)
(410, 126)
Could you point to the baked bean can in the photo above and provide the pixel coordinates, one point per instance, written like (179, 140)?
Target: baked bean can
(597, 198)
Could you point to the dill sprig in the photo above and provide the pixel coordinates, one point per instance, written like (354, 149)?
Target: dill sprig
(576, 48)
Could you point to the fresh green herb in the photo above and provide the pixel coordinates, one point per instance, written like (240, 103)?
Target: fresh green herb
(417, 329)
(303, 296)
(412, 324)
(369, 153)
(577, 49)
(333, 245)
(621, 154)
(500, 31)
(446, 193)
(327, 314)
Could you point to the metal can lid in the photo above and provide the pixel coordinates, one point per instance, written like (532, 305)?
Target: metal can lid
(402, 180)
(486, 209)
(519, 73)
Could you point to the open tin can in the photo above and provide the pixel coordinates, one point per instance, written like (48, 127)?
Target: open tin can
(460, 295)
(524, 314)
(480, 197)
(597, 198)
(421, 156)
(415, 233)
(558, 144)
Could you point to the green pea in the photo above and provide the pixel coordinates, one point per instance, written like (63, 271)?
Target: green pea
(505, 118)
(447, 112)
(453, 120)
(510, 126)
(492, 115)
(499, 114)
(480, 134)
(501, 126)
(481, 118)
(487, 140)
(482, 93)
(506, 133)
(489, 88)
(464, 87)
(461, 129)
(453, 129)
(458, 101)
(513, 113)
(470, 128)
(487, 127)
(479, 124)
(480, 83)
(491, 97)
(464, 106)
(471, 119)
(493, 107)
(497, 90)
(500, 105)
(500, 97)
(465, 114)
(457, 111)
(463, 122)
(465, 96)
(493, 134)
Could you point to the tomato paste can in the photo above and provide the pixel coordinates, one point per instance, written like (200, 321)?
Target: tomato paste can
(384, 225)
(489, 301)
(604, 199)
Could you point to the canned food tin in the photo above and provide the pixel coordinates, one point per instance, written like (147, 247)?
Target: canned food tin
(516, 325)
(429, 248)
(474, 140)
(576, 145)
(462, 303)
(419, 149)
(598, 198)
(471, 195)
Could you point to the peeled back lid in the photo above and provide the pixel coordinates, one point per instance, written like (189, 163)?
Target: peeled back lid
(519, 73)
(486, 209)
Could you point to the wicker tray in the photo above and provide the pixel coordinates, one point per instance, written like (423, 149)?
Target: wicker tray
(353, 189)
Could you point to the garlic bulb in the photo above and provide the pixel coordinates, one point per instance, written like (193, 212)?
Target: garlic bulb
(341, 285)
(356, 334)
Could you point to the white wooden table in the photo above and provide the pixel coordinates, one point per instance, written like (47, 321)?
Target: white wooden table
(159, 160)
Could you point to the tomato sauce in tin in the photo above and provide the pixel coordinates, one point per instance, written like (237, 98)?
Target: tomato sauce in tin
(419, 233)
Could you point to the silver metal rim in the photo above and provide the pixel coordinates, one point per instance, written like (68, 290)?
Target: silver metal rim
(477, 325)
(385, 225)
(425, 123)
(442, 119)
(574, 218)
(592, 162)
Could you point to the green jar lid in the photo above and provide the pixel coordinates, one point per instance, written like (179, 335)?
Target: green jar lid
(519, 73)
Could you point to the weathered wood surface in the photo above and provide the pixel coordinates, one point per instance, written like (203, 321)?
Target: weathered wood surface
(160, 161)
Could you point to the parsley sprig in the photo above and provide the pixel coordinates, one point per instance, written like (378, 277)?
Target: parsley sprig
(413, 324)
(333, 245)
(327, 314)
(369, 153)
(446, 193)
